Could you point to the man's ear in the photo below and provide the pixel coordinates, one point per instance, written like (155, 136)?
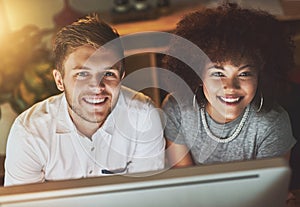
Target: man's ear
(58, 80)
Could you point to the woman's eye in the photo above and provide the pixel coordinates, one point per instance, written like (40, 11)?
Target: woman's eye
(217, 74)
(245, 74)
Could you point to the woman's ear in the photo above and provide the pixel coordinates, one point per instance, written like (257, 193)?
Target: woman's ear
(58, 80)
(123, 75)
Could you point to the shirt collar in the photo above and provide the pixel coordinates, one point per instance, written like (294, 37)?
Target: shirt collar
(64, 123)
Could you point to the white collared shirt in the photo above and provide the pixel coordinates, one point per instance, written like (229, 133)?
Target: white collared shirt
(44, 144)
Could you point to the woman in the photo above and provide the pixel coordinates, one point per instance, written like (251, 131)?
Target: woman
(235, 113)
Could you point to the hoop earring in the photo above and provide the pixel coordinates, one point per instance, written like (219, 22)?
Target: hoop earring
(194, 102)
(261, 102)
(195, 97)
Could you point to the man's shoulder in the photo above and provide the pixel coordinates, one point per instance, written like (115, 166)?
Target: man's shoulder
(43, 110)
(133, 98)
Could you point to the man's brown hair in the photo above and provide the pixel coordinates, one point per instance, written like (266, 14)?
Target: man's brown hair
(91, 31)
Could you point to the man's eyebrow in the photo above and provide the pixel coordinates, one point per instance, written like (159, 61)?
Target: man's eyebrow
(87, 68)
(114, 67)
(79, 67)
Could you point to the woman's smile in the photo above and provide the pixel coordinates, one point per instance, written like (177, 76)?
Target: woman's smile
(231, 100)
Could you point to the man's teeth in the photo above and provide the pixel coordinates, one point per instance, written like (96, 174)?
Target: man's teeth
(95, 100)
(230, 100)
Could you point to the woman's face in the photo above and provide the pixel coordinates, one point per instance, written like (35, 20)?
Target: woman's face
(228, 89)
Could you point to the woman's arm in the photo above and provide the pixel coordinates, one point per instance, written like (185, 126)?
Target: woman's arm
(178, 155)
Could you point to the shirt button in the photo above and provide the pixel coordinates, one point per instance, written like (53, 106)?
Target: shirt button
(92, 149)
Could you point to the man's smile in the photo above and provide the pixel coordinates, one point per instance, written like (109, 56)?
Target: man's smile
(94, 100)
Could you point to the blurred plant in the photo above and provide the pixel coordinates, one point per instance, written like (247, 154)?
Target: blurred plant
(26, 65)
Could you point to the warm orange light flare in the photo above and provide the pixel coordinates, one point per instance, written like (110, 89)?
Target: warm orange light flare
(3, 19)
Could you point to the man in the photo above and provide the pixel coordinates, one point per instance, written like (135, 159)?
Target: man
(95, 126)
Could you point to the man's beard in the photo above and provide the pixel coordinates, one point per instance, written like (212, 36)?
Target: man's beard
(77, 110)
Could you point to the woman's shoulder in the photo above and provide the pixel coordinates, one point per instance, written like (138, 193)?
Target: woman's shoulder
(184, 103)
(181, 109)
(276, 114)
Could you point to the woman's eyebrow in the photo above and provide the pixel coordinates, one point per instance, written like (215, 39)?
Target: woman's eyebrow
(222, 68)
(246, 66)
(217, 67)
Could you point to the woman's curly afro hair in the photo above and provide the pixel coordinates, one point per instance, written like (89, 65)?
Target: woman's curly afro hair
(238, 35)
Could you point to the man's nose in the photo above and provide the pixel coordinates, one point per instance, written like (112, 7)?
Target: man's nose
(97, 84)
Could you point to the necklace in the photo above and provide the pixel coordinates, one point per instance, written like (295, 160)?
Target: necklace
(225, 139)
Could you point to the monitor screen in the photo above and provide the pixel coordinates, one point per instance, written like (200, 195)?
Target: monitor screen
(255, 183)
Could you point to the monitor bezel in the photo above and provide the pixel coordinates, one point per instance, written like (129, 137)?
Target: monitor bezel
(203, 174)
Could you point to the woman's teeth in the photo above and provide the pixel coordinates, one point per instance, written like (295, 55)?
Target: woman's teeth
(230, 100)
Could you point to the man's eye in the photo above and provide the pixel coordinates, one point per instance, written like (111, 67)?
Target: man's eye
(108, 74)
(82, 74)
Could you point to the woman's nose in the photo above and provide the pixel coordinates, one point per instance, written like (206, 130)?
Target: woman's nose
(231, 83)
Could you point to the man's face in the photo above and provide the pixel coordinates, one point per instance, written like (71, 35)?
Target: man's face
(91, 83)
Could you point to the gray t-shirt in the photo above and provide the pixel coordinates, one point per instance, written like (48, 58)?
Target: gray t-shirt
(263, 135)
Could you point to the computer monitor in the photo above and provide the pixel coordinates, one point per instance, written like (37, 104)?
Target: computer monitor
(256, 183)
